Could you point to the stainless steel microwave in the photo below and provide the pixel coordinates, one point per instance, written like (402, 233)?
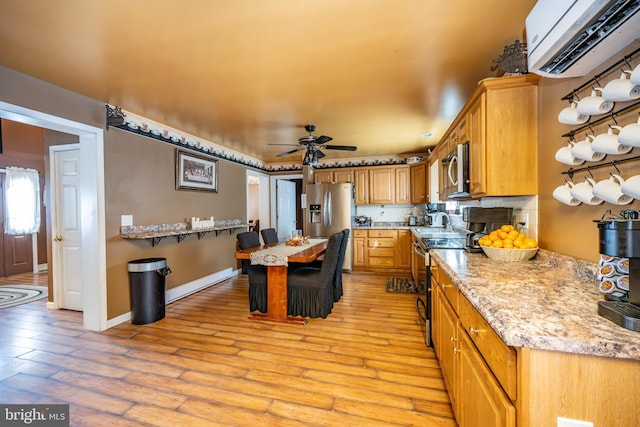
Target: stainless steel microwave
(455, 172)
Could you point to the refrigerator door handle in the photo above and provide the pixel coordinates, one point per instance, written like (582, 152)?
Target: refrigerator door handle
(327, 209)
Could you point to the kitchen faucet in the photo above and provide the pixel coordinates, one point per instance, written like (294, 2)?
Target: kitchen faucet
(447, 226)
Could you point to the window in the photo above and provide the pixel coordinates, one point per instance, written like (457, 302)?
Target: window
(21, 201)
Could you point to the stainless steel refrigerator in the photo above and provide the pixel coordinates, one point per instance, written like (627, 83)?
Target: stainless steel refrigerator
(329, 210)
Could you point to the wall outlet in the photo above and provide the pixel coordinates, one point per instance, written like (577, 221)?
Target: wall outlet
(126, 220)
(525, 221)
(566, 422)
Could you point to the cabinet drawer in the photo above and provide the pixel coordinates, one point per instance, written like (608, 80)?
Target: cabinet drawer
(382, 233)
(500, 358)
(381, 252)
(381, 243)
(380, 261)
(359, 233)
(448, 288)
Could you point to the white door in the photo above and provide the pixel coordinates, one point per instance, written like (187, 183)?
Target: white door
(66, 229)
(285, 208)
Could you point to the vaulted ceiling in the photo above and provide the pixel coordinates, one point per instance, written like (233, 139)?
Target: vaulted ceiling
(376, 74)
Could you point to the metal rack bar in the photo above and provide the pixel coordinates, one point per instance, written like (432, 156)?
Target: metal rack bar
(613, 163)
(595, 78)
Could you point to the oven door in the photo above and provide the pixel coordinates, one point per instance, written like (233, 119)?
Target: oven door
(423, 302)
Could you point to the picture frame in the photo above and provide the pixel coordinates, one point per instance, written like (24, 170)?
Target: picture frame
(196, 172)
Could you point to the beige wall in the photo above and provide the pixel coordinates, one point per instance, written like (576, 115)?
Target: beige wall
(139, 180)
(564, 229)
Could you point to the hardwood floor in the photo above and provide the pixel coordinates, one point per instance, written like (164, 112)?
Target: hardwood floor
(207, 364)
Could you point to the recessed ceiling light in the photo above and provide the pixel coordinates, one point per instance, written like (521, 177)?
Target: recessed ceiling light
(427, 134)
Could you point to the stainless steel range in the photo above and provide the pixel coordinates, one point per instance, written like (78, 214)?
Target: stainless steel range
(422, 246)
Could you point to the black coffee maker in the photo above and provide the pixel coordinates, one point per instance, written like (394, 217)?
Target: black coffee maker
(481, 221)
(621, 238)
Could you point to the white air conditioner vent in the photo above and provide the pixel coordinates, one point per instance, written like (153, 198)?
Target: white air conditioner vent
(569, 38)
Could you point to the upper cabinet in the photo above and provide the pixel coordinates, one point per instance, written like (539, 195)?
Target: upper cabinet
(500, 122)
(382, 185)
(419, 182)
(341, 175)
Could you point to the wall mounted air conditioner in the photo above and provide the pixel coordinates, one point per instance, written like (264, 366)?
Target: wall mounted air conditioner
(570, 38)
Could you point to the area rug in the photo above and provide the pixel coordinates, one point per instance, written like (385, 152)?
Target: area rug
(12, 295)
(401, 285)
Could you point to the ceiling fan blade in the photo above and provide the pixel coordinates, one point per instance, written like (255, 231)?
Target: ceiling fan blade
(320, 154)
(341, 147)
(322, 139)
(290, 152)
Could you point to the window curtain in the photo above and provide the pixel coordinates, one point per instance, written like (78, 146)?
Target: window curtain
(21, 201)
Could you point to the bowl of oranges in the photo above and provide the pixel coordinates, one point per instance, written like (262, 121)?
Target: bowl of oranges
(508, 244)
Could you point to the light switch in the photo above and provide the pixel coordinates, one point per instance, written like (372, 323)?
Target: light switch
(126, 220)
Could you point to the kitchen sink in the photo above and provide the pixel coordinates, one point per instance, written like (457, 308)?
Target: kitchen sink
(436, 233)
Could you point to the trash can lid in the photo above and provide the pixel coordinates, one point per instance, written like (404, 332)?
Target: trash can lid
(146, 264)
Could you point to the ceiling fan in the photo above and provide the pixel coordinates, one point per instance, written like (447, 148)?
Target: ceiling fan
(313, 144)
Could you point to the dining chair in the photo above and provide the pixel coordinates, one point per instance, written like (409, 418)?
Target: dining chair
(246, 240)
(337, 281)
(257, 273)
(310, 290)
(269, 235)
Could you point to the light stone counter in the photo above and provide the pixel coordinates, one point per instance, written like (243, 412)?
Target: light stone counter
(547, 303)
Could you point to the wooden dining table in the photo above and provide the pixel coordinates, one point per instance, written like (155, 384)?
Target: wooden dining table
(277, 304)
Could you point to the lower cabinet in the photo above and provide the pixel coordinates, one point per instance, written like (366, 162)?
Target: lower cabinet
(477, 398)
(382, 250)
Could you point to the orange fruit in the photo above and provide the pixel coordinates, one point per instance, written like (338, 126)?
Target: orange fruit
(507, 227)
(497, 244)
(503, 234)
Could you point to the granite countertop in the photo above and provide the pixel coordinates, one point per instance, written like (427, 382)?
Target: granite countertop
(547, 303)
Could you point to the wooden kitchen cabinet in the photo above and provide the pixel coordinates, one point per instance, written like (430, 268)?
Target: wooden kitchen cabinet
(361, 186)
(382, 185)
(339, 175)
(481, 401)
(419, 182)
(403, 252)
(381, 250)
(359, 248)
(402, 191)
(472, 358)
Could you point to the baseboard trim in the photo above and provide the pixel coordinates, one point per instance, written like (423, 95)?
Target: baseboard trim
(179, 292)
(189, 288)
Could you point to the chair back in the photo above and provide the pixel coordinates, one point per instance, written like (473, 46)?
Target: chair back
(331, 255)
(248, 239)
(343, 248)
(269, 235)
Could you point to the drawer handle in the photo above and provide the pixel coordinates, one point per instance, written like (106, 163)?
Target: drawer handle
(444, 285)
(456, 350)
(452, 339)
(473, 330)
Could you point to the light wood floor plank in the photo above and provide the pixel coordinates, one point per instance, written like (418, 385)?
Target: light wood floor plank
(207, 363)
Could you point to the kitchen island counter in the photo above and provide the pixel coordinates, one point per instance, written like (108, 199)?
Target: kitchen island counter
(547, 303)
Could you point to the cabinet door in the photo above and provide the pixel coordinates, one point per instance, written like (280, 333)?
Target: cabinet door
(343, 175)
(418, 184)
(359, 252)
(361, 186)
(325, 175)
(382, 185)
(442, 151)
(449, 352)
(477, 147)
(402, 191)
(481, 401)
(403, 249)
(436, 301)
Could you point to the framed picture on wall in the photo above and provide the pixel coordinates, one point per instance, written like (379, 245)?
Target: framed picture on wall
(196, 172)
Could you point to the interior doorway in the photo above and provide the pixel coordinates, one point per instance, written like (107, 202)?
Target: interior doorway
(287, 204)
(91, 196)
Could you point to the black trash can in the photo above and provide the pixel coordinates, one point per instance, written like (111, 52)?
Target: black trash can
(146, 289)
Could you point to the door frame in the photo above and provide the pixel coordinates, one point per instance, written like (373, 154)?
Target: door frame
(92, 208)
(264, 202)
